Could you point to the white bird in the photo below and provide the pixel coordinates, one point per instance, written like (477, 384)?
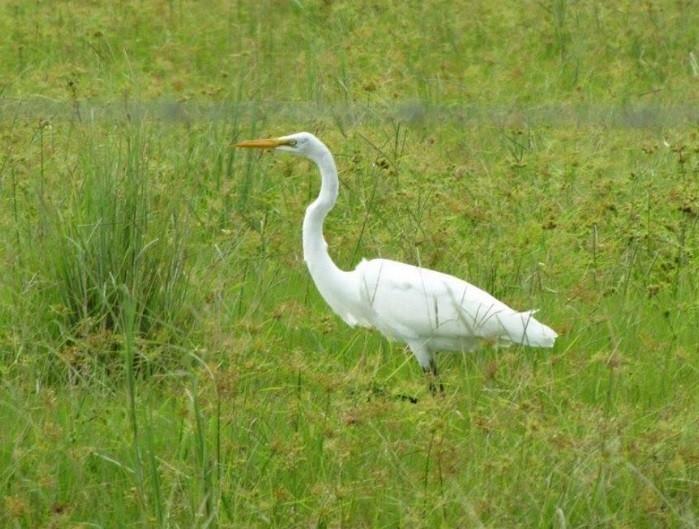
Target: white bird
(427, 310)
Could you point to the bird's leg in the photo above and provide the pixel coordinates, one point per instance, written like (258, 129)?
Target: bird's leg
(432, 372)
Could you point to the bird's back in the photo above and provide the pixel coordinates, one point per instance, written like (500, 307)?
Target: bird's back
(411, 304)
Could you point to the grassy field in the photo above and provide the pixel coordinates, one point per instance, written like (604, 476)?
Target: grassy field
(165, 360)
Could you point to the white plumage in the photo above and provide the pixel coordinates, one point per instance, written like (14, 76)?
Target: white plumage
(427, 310)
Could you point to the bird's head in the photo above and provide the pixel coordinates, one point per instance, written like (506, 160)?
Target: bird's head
(301, 143)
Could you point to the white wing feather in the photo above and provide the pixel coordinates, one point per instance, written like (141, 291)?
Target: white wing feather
(413, 304)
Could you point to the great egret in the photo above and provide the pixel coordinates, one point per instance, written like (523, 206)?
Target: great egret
(427, 310)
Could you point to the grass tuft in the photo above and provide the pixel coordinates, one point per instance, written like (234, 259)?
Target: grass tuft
(109, 244)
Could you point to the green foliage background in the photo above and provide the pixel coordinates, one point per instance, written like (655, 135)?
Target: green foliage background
(165, 359)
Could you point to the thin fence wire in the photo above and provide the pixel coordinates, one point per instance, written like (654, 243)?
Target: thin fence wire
(412, 113)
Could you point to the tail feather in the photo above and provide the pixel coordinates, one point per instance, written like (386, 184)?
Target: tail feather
(523, 328)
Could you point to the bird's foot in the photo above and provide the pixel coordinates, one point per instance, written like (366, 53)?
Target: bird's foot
(436, 388)
(408, 398)
(433, 374)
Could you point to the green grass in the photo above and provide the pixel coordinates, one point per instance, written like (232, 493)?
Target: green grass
(165, 360)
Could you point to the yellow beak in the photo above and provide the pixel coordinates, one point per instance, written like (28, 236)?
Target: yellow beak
(270, 143)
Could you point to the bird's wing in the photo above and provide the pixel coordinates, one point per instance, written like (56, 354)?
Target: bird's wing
(412, 303)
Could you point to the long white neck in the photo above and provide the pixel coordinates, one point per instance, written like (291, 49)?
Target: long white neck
(315, 249)
(341, 290)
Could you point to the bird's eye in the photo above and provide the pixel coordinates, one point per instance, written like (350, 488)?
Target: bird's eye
(292, 143)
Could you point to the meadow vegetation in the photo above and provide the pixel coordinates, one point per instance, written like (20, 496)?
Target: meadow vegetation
(165, 360)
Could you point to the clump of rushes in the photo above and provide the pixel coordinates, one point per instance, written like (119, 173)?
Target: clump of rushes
(110, 242)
